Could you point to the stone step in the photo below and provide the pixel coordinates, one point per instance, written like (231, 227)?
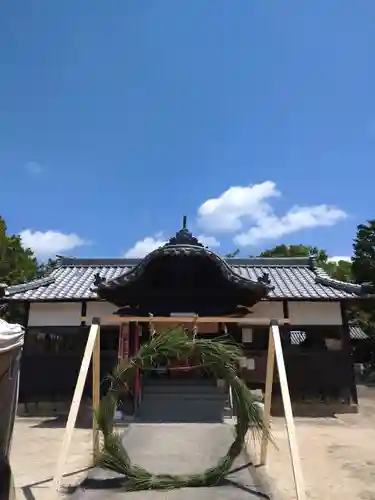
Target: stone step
(182, 408)
(167, 382)
(179, 388)
(182, 400)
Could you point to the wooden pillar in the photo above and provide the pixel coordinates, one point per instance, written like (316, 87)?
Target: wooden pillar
(349, 351)
(95, 395)
(123, 351)
(83, 313)
(137, 382)
(73, 412)
(268, 397)
(289, 419)
(286, 328)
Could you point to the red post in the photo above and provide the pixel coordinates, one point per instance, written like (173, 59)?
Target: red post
(123, 348)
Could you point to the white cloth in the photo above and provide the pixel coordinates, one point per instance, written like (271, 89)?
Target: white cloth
(11, 336)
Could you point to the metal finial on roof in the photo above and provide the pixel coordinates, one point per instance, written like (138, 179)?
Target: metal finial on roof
(184, 222)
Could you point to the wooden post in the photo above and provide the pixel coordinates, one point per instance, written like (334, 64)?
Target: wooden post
(137, 382)
(123, 352)
(345, 335)
(95, 396)
(291, 431)
(73, 412)
(268, 397)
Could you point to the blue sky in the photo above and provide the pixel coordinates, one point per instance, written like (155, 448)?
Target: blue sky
(118, 117)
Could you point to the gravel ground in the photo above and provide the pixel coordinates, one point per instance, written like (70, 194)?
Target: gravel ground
(338, 454)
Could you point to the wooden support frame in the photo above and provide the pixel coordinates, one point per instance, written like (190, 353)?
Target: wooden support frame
(92, 342)
(92, 351)
(275, 350)
(248, 320)
(95, 394)
(268, 397)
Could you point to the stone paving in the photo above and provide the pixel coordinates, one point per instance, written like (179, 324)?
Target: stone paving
(180, 449)
(37, 440)
(35, 447)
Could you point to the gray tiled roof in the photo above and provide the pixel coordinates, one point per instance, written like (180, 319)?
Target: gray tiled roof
(292, 278)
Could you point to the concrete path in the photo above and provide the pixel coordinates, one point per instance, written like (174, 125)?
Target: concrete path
(176, 449)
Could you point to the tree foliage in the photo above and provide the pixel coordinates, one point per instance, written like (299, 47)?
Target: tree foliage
(45, 268)
(363, 270)
(17, 264)
(364, 254)
(296, 251)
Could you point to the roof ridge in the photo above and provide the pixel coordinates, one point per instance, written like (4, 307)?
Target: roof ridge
(96, 261)
(30, 285)
(322, 277)
(227, 270)
(269, 261)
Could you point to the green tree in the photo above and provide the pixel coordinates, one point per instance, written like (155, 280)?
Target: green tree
(363, 267)
(45, 268)
(296, 251)
(341, 270)
(17, 264)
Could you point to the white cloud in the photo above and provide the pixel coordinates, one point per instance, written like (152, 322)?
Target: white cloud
(228, 212)
(34, 168)
(296, 219)
(145, 246)
(208, 241)
(247, 210)
(337, 258)
(49, 243)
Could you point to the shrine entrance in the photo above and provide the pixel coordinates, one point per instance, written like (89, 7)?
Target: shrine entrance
(185, 370)
(181, 278)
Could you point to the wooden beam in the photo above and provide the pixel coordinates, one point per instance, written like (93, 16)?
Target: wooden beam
(95, 396)
(73, 412)
(345, 336)
(290, 427)
(268, 397)
(192, 319)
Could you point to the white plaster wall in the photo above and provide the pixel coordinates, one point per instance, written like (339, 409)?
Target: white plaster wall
(300, 313)
(315, 313)
(55, 314)
(268, 310)
(99, 310)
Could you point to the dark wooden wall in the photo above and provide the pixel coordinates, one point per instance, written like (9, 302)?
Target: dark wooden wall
(51, 362)
(53, 355)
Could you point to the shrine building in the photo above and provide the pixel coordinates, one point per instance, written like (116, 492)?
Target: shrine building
(183, 276)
